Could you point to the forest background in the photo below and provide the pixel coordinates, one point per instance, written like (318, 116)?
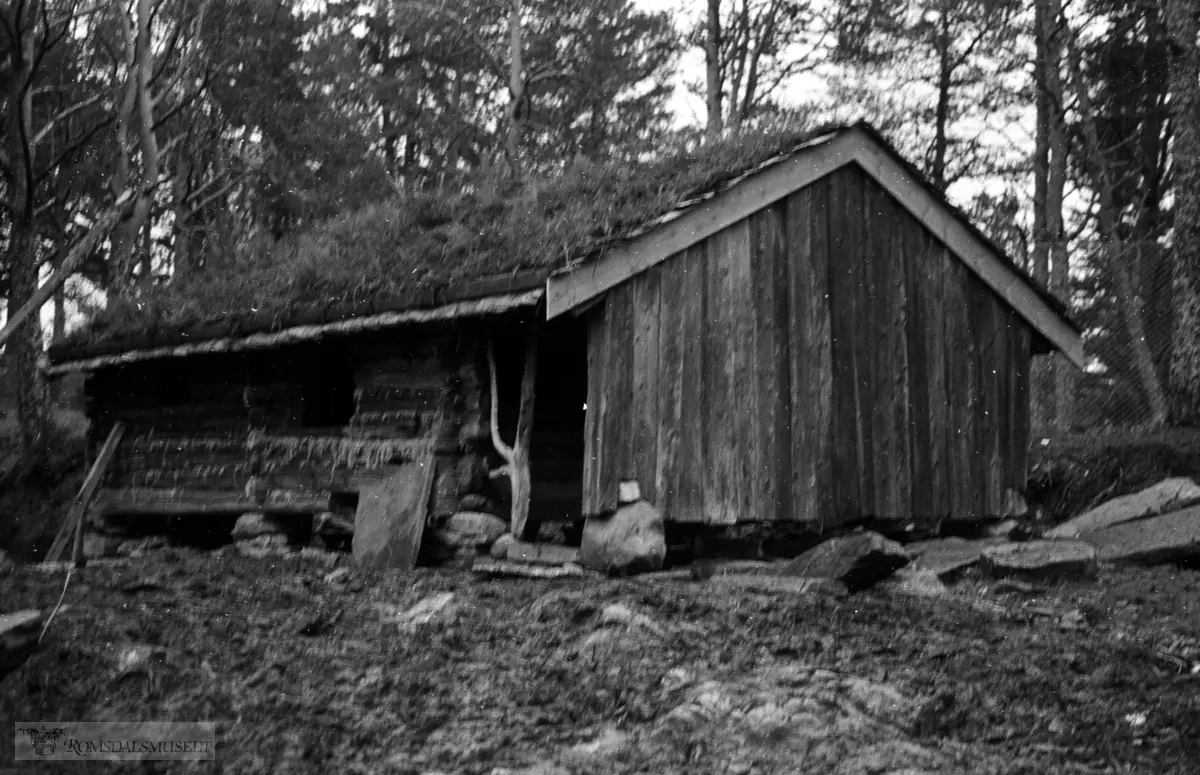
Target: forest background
(149, 142)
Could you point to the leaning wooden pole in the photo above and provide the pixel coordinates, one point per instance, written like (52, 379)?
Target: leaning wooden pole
(516, 457)
(75, 518)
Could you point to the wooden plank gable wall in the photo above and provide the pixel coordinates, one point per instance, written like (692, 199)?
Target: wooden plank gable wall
(825, 359)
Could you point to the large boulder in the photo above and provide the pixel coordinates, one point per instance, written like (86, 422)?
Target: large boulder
(858, 560)
(1040, 560)
(630, 540)
(254, 524)
(1165, 538)
(1167, 495)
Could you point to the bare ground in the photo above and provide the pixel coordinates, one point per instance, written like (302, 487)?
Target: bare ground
(309, 676)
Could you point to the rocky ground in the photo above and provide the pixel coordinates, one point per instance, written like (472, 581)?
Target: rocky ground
(313, 668)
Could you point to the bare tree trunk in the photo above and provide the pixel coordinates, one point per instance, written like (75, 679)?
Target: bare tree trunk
(712, 60)
(23, 350)
(1185, 101)
(125, 233)
(940, 141)
(1056, 178)
(24, 347)
(1042, 398)
(517, 456)
(516, 85)
(60, 309)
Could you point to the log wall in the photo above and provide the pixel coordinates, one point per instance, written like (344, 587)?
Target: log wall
(203, 427)
(826, 359)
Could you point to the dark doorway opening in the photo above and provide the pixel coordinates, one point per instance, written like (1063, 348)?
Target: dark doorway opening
(560, 392)
(328, 390)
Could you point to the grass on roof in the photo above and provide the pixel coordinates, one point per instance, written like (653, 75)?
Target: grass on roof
(435, 239)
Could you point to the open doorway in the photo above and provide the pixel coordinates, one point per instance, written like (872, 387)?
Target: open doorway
(560, 392)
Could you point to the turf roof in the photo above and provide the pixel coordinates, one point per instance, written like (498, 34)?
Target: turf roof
(408, 250)
(428, 247)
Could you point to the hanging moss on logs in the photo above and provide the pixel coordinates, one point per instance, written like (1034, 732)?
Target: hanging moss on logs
(336, 451)
(153, 443)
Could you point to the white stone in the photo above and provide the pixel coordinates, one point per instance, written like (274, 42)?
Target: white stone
(628, 491)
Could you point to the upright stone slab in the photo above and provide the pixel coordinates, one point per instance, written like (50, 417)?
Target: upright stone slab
(390, 519)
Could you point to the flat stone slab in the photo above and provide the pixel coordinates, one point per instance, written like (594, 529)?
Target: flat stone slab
(489, 567)
(1164, 538)
(1038, 560)
(1166, 496)
(950, 557)
(542, 554)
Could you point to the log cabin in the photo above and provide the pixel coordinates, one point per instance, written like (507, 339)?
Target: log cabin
(791, 328)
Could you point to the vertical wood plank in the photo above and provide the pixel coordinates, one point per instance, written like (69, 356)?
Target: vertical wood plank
(961, 389)
(593, 447)
(670, 385)
(933, 270)
(1004, 391)
(692, 428)
(812, 365)
(770, 379)
(900, 376)
(1020, 425)
(989, 392)
(721, 498)
(818, 332)
(880, 397)
(844, 292)
(617, 458)
(644, 401)
(864, 344)
(921, 376)
(747, 455)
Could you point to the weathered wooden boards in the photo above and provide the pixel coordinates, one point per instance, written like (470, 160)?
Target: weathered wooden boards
(825, 359)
